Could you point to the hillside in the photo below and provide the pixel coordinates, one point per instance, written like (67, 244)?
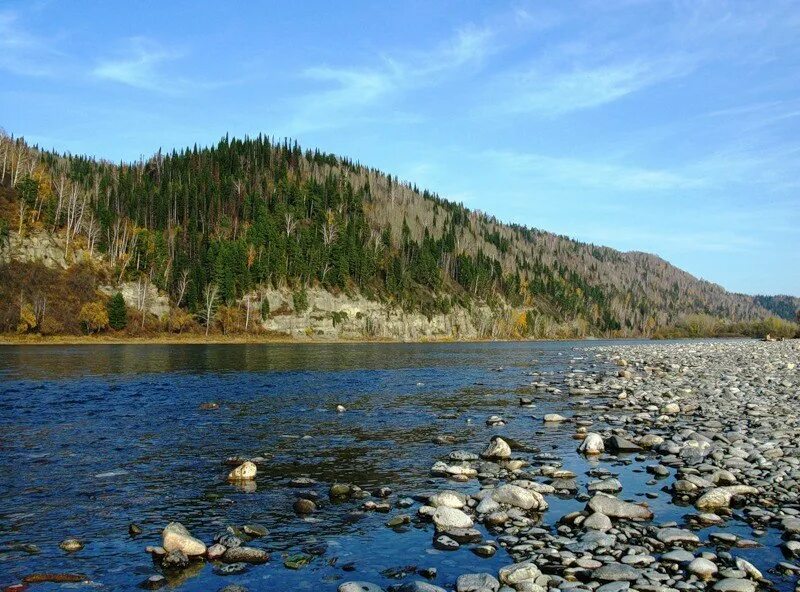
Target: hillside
(218, 232)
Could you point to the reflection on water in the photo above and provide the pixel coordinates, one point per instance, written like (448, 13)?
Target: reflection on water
(93, 438)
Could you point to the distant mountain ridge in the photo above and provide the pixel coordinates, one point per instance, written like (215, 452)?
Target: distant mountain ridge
(246, 214)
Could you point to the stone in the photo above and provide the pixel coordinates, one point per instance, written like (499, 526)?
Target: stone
(620, 444)
(449, 518)
(720, 497)
(497, 449)
(154, 582)
(592, 444)
(245, 555)
(672, 536)
(518, 573)
(554, 418)
(449, 499)
(70, 545)
(398, 520)
(419, 586)
(616, 508)
(516, 496)
(177, 538)
(359, 587)
(445, 543)
(735, 585)
(616, 572)
(481, 582)
(244, 472)
(671, 409)
(255, 530)
(702, 568)
(304, 507)
(175, 560)
(610, 485)
(340, 490)
(598, 521)
(215, 551)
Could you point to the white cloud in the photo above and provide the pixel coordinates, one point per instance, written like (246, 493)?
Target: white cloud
(355, 88)
(588, 174)
(23, 53)
(563, 84)
(141, 67)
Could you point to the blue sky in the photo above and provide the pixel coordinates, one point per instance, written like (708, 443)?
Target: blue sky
(668, 127)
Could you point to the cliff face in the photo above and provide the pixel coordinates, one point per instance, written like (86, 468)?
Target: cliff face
(343, 316)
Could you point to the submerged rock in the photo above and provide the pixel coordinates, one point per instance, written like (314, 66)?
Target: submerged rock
(245, 555)
(244, 472)
(71, 545)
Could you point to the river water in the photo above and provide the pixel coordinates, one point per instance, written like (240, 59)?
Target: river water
(93, 438)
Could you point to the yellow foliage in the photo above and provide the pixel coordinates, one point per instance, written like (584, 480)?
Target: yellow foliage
(94, 316)
(521, 324)
(27, 319)
(179, 320)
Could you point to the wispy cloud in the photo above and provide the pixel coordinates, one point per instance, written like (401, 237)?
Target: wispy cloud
(22, 52)
(557, 89)
(140, 65)
(348, 90)
(571, 172)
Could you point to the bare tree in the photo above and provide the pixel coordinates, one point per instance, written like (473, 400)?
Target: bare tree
(183, 283)
(247, 314)
(329, 230)
(143, 296)
(75, 206)
(210, 296)
(290, 224)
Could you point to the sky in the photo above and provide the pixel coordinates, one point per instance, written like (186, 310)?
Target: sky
(666, 127)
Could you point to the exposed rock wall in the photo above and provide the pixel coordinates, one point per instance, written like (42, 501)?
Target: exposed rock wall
(40, 247)
(352, 317)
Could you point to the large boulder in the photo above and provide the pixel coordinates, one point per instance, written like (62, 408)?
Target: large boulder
(497, 449)
(481, 582)
(447, 519)
(516, 496)
(448, 499)
(517, 573)
(614, 507)
(177, 538)
(244, 472)
(592, 444)
(720, 497)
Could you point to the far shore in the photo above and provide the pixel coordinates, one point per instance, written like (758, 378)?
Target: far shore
(195, 339)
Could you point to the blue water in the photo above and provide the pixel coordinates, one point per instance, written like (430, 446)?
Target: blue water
(93, 438)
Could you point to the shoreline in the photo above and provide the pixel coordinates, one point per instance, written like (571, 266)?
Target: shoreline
(11, 340)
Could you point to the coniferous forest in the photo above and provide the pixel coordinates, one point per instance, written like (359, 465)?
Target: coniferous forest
(210, 226)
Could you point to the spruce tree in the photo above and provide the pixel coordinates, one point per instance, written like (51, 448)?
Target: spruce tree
(117, 315)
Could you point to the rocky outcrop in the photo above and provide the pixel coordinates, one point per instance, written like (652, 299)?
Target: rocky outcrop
(342, 316)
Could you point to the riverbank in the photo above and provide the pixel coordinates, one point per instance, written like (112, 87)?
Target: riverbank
(216, 339)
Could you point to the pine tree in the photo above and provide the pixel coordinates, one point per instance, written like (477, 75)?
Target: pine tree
(117, 314)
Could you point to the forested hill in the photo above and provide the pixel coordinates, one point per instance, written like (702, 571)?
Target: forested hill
(250, 213)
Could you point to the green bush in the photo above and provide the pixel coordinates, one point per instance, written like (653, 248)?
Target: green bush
(117, 313)
(265, 309)
(300, 300)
